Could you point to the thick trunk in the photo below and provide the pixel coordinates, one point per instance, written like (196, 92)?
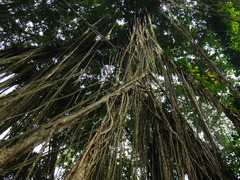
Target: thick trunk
(9, 154)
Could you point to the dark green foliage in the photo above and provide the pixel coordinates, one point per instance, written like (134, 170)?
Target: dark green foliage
(160, 102)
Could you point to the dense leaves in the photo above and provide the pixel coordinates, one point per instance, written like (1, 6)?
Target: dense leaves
(98, 89)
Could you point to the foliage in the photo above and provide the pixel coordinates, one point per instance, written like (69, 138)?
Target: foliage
(119, 89)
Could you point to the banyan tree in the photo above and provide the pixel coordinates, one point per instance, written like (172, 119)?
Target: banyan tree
(98, 89)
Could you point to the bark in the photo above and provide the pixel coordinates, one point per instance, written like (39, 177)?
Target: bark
(95, 149)
(41, 134)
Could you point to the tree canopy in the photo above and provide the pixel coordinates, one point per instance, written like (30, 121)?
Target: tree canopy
(125, 89)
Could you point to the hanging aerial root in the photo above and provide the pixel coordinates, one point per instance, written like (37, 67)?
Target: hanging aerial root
(140, 106)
